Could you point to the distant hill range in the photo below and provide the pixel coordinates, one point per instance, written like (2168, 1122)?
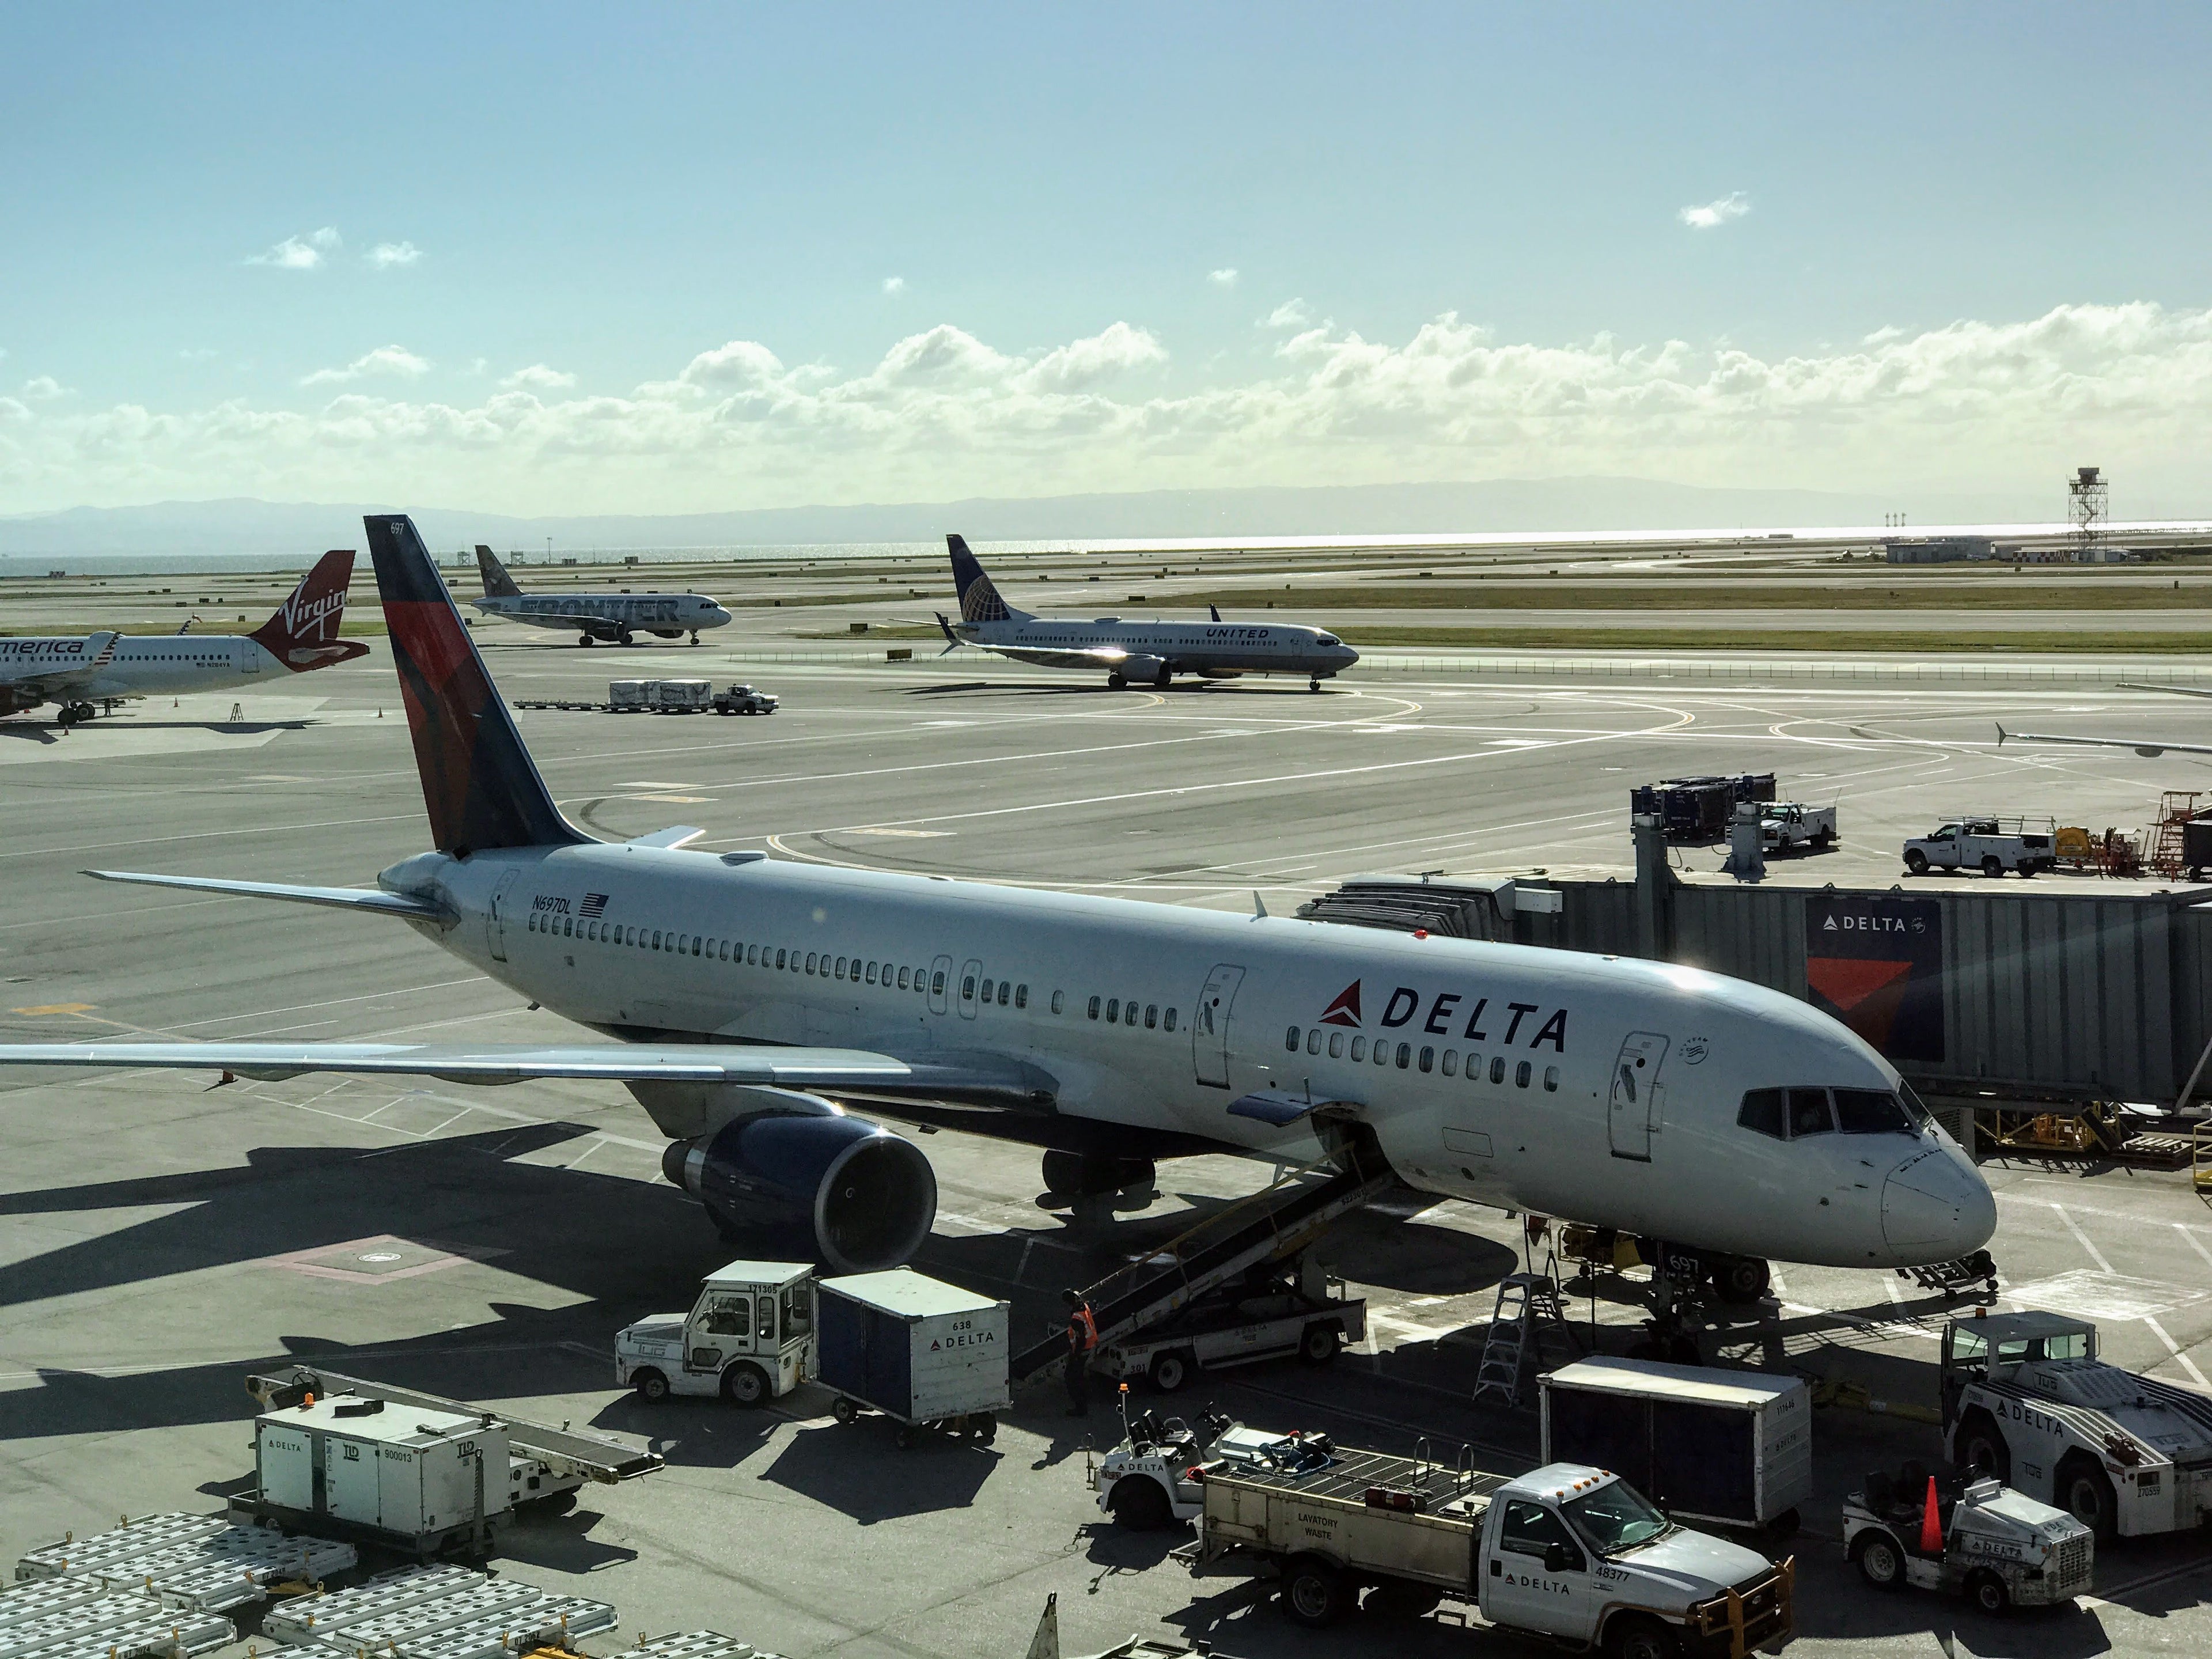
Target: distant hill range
(249, 528)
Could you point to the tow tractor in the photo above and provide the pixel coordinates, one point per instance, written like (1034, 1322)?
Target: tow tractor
(1152, 1478)
(2027, 1399)
(2001, 1547)
(750, 1338)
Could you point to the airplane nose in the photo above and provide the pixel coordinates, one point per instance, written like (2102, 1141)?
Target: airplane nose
(1936, 1207)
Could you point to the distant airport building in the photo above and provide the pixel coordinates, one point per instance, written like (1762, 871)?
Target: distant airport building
(1939, 550)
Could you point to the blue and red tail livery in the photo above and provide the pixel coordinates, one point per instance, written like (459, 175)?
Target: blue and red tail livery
(479, 784)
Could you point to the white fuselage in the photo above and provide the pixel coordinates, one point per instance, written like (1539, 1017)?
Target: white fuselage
(1160, 1017)
(644, 613)
(146, 665)
(1207, 647)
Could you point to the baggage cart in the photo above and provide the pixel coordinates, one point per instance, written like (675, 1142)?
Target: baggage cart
(926, 1354)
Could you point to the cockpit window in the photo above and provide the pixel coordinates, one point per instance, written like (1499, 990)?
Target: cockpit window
(1922, 1117)
(1808, 1113)
(1328, 638)
(1762, 1112)
(1871, 1112)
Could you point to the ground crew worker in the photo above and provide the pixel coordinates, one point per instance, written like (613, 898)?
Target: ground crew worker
(1082, 1338)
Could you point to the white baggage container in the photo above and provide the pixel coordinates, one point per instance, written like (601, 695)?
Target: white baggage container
(914, 1348)
(402, 1470)
(1734, 1447)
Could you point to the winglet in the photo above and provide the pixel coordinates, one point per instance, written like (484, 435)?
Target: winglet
(1259, 905)
(952, 639)
(679, 834)
(1215, 611)
(2001, 734)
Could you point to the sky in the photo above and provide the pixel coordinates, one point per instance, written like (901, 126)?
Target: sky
(557, 259)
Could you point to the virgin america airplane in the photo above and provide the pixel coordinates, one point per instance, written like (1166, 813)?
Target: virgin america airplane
(750, 999)
(77, 673)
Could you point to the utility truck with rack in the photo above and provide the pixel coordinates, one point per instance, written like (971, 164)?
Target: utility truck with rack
(1985, 843)
(1569, 1552)
(2027, 1399)
(1790, 827)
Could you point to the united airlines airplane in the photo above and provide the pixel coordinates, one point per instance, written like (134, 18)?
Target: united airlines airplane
(1150, 654)
(753, 1001)
(618, 616)
(77, 673)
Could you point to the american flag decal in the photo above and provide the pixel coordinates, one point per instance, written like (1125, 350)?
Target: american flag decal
(595, 905)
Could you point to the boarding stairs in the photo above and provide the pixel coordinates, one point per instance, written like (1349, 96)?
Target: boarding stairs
(1270, 1226)
(1528, 1305)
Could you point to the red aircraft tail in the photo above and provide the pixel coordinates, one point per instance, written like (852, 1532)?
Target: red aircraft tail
(303, 635)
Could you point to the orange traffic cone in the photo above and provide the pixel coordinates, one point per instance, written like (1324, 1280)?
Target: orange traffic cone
(1931, 1524)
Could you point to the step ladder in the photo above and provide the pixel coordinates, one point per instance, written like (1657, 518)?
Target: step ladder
(1526, 1304)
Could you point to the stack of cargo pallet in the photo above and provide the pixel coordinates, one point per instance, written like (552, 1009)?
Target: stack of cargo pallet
(437, 1613)
(154, 1588)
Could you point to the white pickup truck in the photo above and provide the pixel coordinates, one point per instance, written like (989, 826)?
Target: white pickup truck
(1991, 845)
(1569, 1552)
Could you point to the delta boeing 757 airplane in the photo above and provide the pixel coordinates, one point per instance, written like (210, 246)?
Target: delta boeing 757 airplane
(751, 999)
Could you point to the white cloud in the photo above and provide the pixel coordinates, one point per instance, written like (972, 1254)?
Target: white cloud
(196, 353)
(301, 252)
(385, 255)
(942, 414)
(44, 387)
(1712, 215)
(1224, 278)
(385, 359)
(539, 378)
(1291, 313)
(894, 284)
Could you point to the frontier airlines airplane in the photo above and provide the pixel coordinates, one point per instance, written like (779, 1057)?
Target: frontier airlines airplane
(77, 673)
(753, 1001)
(617, 617)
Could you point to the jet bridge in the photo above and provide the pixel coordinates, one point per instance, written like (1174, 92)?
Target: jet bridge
(1270, 1226)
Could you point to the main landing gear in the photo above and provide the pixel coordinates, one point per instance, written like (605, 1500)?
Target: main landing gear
(1117, 682)
(1072, 1175)
(585, 640)
(73, 714)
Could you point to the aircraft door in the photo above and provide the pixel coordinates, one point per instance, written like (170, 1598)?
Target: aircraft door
(940, 975)
(495, 918)
(1209, 1025)
(249, 657)
(970, 971)
(1632, 1108)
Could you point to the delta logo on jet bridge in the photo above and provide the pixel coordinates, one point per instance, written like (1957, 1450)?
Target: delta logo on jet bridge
(1443, 1008)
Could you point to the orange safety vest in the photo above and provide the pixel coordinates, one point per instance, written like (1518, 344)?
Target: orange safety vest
(1082, 1330)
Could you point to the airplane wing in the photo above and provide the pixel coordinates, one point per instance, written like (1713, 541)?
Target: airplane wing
(55, 683)
(2148, 748)
(342, 898)
(986, 1078)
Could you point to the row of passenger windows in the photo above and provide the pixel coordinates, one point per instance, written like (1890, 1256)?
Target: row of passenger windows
(1126, 1013)
(738, 953)
(1425, 1059)
(992, 991)
(1797, 1114)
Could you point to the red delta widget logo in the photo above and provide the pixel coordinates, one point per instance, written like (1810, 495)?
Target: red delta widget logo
(1449, 1008)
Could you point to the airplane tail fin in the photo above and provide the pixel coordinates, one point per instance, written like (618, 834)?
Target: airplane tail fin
(979, 599)
(498, 585)
(303, 635)
(479, 785)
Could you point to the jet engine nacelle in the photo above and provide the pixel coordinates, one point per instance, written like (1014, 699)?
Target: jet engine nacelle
(833, 1190)
(13, 701)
